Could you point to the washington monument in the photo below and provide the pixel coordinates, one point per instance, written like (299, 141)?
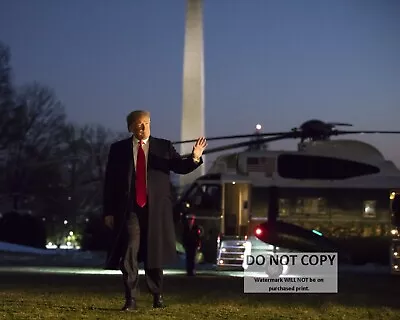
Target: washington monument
(193, 83)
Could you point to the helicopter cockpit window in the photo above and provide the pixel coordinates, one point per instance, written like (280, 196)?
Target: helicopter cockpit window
(292, 166)
(206, 196)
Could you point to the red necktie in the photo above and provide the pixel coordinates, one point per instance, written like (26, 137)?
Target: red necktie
(140, 187)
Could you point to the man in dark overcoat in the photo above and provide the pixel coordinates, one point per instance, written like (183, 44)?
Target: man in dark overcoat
(138, 205)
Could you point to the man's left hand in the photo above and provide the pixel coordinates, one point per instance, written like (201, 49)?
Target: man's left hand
(199, 147)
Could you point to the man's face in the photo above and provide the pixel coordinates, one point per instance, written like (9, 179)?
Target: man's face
(141, 127)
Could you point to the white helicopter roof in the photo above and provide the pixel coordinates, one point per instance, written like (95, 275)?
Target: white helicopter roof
(352, 150)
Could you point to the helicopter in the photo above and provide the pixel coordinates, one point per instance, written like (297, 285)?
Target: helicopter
(330, 194)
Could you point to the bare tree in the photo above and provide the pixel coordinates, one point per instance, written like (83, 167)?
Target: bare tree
(35, 133)
(38, 122)
(52, 167)
(86, 151)
(6, 93)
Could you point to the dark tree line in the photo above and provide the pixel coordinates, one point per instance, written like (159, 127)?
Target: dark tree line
(49, 166)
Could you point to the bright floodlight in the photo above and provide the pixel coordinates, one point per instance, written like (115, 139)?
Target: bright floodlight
(258, 127)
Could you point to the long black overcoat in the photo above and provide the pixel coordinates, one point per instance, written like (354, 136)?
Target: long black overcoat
(118, 190)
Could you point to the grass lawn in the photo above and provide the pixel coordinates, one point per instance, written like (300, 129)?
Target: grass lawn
(55, 296)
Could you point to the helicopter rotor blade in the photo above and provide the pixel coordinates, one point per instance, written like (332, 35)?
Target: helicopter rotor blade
(342, 132)
(340, 124)
(297, 131)
(241, 136)
(247, 143)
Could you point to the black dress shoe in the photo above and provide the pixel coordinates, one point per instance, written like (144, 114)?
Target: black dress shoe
(129, 305)
(158, 301)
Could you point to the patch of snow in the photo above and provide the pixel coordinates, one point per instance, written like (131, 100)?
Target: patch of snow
(16, 248)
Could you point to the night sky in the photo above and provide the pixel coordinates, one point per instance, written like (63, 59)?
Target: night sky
(278, 63)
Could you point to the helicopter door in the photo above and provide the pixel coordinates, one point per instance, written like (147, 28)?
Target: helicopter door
(236, 208)
(203, 203)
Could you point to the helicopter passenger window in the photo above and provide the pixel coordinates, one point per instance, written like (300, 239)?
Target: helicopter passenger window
(284, 207)
(310, 206)
(369, 210)
(292, 166)
(206, 196)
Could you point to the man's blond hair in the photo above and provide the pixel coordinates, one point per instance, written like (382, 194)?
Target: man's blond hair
(134, 115)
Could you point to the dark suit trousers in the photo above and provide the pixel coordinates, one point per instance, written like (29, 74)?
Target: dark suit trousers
(190, 258)
(135, 241)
